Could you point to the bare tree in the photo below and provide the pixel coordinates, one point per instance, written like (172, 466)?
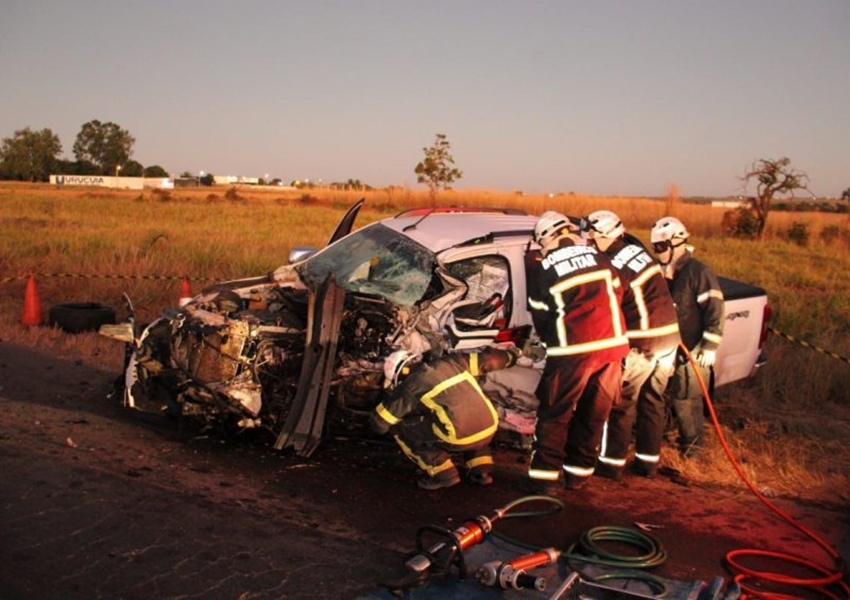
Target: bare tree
(772, 177)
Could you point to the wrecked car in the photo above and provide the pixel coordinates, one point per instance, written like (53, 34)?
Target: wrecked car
(300, 351)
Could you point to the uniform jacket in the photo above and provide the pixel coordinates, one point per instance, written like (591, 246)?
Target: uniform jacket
(574, 295)
(651, 321)
(447, 393)
(699, 303)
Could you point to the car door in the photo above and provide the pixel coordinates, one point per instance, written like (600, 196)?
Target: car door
(508, 252)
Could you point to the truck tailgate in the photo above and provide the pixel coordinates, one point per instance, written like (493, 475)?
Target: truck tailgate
(739, 354)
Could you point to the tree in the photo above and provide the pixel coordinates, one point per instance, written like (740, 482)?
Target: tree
(105, 145)
(155, 171)
(75, 167)
(436, 170)
(132, 168)
(773, 177)
(30, 155)
(845, 195)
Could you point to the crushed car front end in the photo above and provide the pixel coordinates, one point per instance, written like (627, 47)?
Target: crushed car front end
(234, 353)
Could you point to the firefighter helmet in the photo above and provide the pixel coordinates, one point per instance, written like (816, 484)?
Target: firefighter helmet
(549, 226)
(668, 232)
(604, 223)
(397, 366)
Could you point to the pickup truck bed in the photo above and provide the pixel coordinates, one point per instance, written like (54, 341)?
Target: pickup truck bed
(747, 316)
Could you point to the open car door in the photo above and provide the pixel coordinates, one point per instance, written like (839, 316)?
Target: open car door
(345, 224)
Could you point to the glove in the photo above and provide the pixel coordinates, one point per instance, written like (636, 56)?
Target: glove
(705, 358)
(534, 350)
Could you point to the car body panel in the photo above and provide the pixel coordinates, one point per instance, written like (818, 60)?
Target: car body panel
(747, 311)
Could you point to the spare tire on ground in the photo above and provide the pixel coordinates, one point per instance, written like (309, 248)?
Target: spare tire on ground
(76, 317)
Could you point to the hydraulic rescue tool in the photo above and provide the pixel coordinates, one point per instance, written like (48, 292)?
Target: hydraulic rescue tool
(447, 547)
(511, 574)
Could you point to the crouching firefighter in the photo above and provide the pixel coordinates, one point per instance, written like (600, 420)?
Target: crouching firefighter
(435, 409)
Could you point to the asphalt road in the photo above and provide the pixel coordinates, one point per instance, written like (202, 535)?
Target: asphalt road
(98, 502)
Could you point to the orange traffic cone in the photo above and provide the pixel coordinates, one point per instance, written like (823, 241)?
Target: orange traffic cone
(185, 292)
(32, 314)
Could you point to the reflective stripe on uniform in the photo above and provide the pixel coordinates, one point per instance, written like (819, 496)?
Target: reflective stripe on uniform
(647, 458)
(614, 462)
(479, 461)
(578, 471)
(704, 297)
(605, 277)
(587, 347)
(543, 475)
(711, 337)
(450, 434)
(387, 415)
(474, 367)
(429, 469)
(637, 287)
(538, 305)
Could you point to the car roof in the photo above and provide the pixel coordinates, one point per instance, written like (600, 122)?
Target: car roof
(440, 230)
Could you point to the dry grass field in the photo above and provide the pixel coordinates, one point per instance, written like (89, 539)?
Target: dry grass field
(787, 427)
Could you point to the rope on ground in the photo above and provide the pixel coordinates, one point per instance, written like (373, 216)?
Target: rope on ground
(109, 276)
(791, 338)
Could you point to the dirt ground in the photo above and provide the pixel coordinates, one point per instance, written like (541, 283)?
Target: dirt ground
(100, 502)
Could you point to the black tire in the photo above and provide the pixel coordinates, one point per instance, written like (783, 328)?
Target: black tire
(76, 317)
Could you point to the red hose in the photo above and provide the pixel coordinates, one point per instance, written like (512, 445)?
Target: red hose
(829, 576)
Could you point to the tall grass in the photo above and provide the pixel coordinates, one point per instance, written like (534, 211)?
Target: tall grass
(790, 423)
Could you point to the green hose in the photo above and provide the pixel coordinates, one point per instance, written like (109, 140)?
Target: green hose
(507, 514)
(587, 549)
(653, 555)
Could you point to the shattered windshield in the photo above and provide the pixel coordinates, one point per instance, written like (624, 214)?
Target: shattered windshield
(374, 260)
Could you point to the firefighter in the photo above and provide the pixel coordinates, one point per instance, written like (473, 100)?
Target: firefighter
(574, 296)
(435, 408)
(653, 331)
(700, 309)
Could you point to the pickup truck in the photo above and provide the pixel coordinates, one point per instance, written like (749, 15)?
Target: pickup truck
(299, 351)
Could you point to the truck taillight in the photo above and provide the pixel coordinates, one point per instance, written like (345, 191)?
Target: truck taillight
(765, 323)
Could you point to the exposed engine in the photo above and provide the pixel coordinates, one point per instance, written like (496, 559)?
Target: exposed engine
(234, 358)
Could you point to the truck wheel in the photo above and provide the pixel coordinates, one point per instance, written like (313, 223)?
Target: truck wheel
(76, 317)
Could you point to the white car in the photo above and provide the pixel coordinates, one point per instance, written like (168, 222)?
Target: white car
(300, 350)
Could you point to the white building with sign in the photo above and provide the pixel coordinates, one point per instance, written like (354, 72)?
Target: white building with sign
(125, 183)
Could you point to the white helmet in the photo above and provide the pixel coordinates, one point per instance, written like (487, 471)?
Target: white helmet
(549, 226)
(397, 366)
(666, 231)
(604, 223)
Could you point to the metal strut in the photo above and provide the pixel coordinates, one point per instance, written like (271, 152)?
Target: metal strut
(303, 428)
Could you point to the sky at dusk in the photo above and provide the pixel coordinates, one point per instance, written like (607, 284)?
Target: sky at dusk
(597, 97)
